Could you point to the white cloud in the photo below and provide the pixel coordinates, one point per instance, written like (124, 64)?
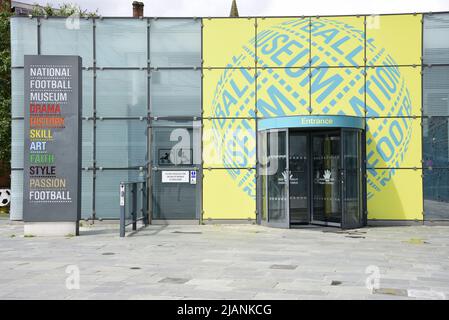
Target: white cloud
(207, 8)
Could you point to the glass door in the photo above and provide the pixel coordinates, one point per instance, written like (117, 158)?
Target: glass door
(326, 178)
(299, 177)
(352, 179)
(277, 179)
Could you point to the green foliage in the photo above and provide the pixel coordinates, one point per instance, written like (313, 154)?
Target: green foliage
(64, 10)
(5, 85)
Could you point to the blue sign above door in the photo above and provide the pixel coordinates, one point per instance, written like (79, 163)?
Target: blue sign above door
(338, 121)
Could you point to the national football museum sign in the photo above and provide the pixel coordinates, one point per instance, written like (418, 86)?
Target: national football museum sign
(52, 154)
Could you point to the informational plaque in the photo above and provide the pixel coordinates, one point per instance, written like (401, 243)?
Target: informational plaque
(175, 176)
(52, 157)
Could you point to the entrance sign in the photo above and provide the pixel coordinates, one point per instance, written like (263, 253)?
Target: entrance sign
(52, 144)
(175, 177)
(338, 121)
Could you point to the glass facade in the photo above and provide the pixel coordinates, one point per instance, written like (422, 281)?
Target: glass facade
(186, 94)
(436, 116)
(173, 88)
(133, 69)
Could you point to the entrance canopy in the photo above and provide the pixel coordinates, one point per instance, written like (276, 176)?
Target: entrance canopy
(338, 121)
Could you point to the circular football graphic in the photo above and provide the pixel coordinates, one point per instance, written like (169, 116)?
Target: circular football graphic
(5, 197)
(336, 44)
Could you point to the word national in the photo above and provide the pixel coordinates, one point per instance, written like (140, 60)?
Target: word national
(50, 72)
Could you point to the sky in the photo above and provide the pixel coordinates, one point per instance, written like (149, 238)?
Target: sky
(206, 8)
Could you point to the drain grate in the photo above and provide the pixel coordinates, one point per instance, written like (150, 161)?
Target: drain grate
(391, 291)
(174, 280)
(416, 241)
(188, 232)
(283, 266)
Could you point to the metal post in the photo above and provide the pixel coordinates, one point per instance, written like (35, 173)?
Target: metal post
(144, 203)
(122, 209)
(134, 205)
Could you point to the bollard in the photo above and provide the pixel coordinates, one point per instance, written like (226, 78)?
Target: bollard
(122, 209)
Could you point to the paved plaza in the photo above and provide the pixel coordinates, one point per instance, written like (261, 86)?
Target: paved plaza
(226, 262)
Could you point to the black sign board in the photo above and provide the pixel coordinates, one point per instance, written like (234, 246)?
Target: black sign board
(52, 144)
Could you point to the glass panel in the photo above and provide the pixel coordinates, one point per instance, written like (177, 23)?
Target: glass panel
(229, 42)
(393, 143)
(23, 39)
(86, 194)
(17, 135)
(88, 100)
(393, 91)
(326, 190)
(229, 93)
(277, 179)
(16, 207)
(283, 92)
(436, 38)
(262, 154)
(436, 194)
(238, 185)
(175, 43)
(283, 42)
(121, 42)
(352, 195)
(299, 177)
(176, 146)
(337, 41)
(338, 91)
(121, 143)
(17, 92)
(173, 200)
(436, 142)
(68, 37)
(393, 40)
(87, 143)
(107, 184)
(122, 93)
(176, 93)
(401, 189)
(229, 143)
(436, 91)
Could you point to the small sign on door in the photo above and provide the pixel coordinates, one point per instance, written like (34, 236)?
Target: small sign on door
(175, 176)
(192, 177)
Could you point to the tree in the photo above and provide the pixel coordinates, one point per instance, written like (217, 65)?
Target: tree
(64, 10)
(5, 87)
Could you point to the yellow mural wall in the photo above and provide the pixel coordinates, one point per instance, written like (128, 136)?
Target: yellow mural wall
(399, 196)
(226, 195)
(270, 67)
(397, 36)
